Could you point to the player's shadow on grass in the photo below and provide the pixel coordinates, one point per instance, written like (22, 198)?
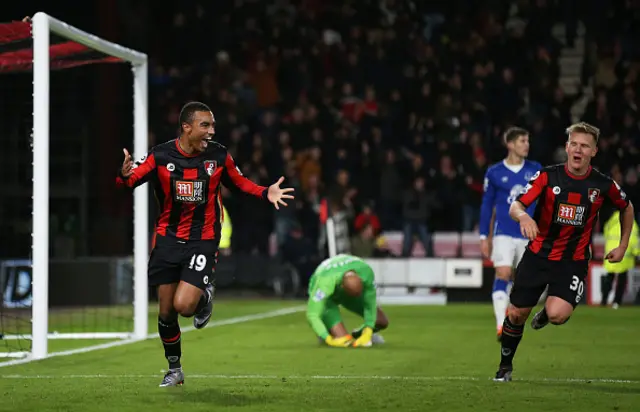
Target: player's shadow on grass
(610, 388)
(219, 397)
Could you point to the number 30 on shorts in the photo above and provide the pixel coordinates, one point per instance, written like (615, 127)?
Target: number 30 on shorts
(577, 285)
(198, 262)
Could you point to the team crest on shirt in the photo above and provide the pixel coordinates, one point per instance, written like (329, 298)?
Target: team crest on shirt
(570, 215)
(319, 296)
(210, 166)
(593, 194)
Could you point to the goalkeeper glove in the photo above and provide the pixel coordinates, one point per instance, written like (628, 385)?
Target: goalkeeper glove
(343, 342)
(364, 340)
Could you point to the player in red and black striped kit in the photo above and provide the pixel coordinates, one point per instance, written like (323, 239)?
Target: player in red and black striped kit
(569, 198)
(186, 174)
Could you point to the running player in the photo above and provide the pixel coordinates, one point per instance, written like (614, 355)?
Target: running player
(569, 198)
(186, 174)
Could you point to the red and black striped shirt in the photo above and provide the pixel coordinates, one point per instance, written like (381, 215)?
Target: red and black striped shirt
(567, 210)
(187, 188)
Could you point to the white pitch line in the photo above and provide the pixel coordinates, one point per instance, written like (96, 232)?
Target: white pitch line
(212, 324)
(321, 377)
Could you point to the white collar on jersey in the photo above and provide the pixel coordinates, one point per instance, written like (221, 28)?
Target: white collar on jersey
(513, 168)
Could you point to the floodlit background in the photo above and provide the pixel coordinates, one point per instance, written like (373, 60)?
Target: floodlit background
(351, 101)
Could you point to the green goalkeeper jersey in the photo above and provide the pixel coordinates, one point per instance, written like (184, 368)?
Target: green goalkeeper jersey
(325, 290)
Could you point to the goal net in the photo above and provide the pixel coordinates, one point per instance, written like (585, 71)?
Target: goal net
(56, 293)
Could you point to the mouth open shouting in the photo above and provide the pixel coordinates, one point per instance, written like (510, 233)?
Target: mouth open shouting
(198, 129)
(581, 148)
(577, 160)
(205, 142)
(578, 163)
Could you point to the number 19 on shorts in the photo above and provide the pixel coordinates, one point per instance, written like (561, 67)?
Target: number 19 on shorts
(198, 262)
(577, 286)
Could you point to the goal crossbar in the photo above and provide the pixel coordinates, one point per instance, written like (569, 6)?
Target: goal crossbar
(42, 26)
(87, 39)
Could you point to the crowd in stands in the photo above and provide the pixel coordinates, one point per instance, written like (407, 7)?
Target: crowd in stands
(392, 110)
(388, 111)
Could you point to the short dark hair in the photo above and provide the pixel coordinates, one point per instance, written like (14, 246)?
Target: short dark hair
(186, 114)
(513, 133)
(583, 127)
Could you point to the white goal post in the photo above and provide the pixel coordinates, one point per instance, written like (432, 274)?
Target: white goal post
(43, 25)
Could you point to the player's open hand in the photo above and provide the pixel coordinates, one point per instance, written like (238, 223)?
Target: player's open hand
(528, 227)
(275, 194)
(616, 255)
(127, 164)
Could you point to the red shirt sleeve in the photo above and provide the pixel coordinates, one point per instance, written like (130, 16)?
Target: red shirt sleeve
(233, 179)
(533, 189)
(617, 196)
(142, 171)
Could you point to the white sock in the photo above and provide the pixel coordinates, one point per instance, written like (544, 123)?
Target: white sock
(500, 304)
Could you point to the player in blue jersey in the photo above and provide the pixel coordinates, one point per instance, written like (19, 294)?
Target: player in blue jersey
(503, 183)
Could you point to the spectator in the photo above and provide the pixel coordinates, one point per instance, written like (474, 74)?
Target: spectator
(367, 217)
(418, 204)
(361, 108)
(363, 244)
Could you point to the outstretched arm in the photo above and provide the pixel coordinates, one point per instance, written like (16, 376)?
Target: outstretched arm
(235, 181)
(133, 174)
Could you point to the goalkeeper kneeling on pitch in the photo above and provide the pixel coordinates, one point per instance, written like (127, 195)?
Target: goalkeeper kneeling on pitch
(348, 281)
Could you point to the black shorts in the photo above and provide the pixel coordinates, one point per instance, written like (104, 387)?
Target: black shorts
(193, 262)
(565, 279)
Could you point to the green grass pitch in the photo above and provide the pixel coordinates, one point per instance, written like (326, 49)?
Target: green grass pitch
(436, 358)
